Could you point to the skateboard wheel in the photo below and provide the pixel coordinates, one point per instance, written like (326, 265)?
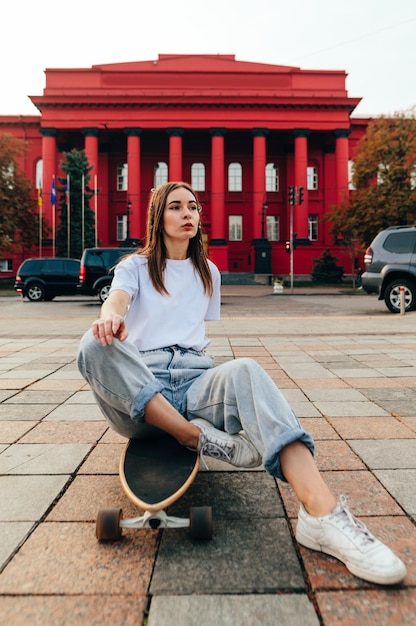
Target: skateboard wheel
(200, 522)
(107, 527)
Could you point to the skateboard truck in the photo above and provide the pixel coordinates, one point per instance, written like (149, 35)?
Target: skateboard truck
(155, 519)
(110, 522)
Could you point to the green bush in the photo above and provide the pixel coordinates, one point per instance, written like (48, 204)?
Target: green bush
(326, 269)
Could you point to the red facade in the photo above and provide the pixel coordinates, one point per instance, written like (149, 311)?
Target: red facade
(240, 132)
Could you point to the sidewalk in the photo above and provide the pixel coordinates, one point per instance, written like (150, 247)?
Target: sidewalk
(350, 376)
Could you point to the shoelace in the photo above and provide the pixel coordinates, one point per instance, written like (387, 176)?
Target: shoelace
(352, 523)
(214, 450)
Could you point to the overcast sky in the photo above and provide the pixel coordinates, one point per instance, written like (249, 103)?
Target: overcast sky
(374, 41)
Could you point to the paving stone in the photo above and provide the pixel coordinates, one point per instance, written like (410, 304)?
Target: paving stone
(245, 556)
(11, 431)
(39, 458)
(380, 427)
(24, 411)
(65, 432)
(386, 454)
(229, 610)
(12, 535)
(27, 498)
(39, 397)
(400, 483)
(66, 558)
(232, 495)
(80, 610)
(391, 607)
(76, 412)
(334, 395)
(349, 409)
(87, 494)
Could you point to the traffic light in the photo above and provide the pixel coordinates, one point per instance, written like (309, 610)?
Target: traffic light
(292, 194)
(287, 246)
(300, 195)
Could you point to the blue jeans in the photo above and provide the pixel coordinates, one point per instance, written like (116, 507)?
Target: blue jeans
(237, 395)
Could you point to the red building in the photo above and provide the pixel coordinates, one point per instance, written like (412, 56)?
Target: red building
(241, 133)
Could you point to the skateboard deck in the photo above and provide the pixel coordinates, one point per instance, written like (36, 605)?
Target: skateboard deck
(156, 472)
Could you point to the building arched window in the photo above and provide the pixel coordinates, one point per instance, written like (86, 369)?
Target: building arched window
(198, 176)
(312, 177)
(350, 174)
(122, 177)
(272, 177)
(39, 173)
(160, 174)
(235, 177)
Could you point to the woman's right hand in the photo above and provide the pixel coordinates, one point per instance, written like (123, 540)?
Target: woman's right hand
(108, 327)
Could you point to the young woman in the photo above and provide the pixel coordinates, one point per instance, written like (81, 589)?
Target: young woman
(146, 364)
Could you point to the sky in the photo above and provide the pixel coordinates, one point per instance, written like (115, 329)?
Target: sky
(374, 41)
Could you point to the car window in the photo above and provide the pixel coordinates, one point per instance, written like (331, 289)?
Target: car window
(71, 267)
(53, 267)
(30, 267)
(401, 243)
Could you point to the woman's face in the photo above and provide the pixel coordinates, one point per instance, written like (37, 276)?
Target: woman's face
(180, 216)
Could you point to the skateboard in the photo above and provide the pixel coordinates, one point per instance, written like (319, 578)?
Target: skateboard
(154, 473)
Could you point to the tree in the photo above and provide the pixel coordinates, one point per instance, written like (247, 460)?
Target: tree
(81, 232)
(326, 269)
(19, 215)
(384, 179)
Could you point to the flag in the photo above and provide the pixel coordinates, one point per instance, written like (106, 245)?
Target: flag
(39, 197)
(53, 192)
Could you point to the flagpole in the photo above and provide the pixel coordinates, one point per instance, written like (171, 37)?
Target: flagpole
(82, 212)
(68, 217)
(40, 219)
(96, 210)
(53, 202)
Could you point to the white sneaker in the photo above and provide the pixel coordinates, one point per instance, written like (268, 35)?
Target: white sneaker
(234, 449)
(343, 536)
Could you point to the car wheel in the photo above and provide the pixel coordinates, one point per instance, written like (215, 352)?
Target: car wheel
(35, 292)
(104, 292)
(392, 295)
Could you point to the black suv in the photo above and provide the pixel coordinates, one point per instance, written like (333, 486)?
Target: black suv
(97, 270)
(45, 278)
(390, 263)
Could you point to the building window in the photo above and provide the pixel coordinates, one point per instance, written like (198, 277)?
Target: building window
(312, 174)
(272, 177)
(235, 177)
(413, 178)
(350, 174)
(6, 265)
(235, 227)
(313, 227)
(160, 174)
(39, 173)
(121, 227)
(382, 173)
(122, 177)
(198, 176)
(273, 233)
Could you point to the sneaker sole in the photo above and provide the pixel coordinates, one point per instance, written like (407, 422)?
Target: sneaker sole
(390, 579)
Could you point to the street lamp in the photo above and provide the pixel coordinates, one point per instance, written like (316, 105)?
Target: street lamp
(263, 219)
(128, 219)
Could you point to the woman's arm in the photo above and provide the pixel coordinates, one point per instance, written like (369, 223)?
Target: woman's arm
(111, 322)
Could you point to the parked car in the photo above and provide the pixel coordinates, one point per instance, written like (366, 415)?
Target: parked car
(97, 270)
(44, 278)
(390, 263)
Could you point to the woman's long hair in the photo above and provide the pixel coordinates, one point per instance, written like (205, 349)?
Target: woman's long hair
(155, 248)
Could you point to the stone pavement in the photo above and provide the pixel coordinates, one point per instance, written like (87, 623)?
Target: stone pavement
(347, 366)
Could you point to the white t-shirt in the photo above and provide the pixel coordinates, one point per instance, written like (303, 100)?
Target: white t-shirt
(157, 320)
